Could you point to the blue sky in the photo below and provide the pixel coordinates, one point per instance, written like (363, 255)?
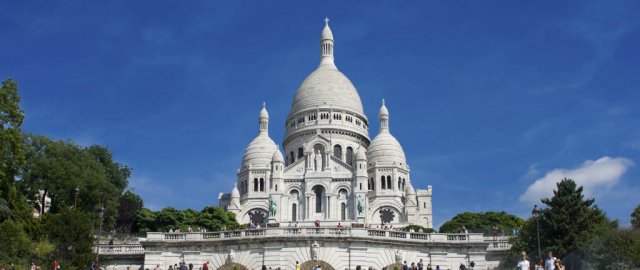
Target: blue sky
(492, 101)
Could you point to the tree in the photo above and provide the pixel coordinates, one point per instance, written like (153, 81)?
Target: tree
(635, 218)
(70, 230)
(11, 152)
(568, 225)
(14, 242)
(59, 167)
(128, 206)
(482, 222)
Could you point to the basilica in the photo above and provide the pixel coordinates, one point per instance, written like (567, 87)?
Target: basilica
(328, 168)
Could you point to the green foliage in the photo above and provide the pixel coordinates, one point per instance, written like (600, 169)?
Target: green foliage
(569, 219)
(59, 167)
(417, 228)
(482, 223)
(210, 218)
(70, 230)
(11, 152)
(14, 242)
(43, 251)
(635, 218)
(575, 228)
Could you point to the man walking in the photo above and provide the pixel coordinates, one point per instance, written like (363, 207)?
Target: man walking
(549, 262)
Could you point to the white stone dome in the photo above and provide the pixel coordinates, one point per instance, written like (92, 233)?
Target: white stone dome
(235, 193)
(324, 87)
(277, 156)
(259, 152)
(386, 148)
(361, 154)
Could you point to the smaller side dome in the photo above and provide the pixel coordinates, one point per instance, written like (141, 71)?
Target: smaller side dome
(235, 193)
(277, 156)
(409, 191)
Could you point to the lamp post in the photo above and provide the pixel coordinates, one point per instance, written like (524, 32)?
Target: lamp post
(536, 213)
(76, 193)
(100, 215)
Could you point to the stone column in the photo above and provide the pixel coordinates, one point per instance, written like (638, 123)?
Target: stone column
(328, 212)
(327, 157)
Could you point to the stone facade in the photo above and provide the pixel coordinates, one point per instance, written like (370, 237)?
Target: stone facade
(331, 171)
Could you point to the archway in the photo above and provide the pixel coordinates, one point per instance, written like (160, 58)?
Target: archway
(309, 265)
(232, 266)
(395, 266)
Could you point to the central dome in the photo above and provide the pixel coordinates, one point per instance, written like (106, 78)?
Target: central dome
(327, 87)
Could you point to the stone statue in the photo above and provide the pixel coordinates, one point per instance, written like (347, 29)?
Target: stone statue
(360, 204)
(318, 158)
(232, 257)
(314, 250)
(273, 207)
(398, 257)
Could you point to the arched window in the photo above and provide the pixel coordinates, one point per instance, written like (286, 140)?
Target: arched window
(300, 152)
(383, 184)
(343, 211)
(337, 151)
(319, 191)
(404, 182)
(255, 184)
(389, 186)
(292, 156)
(261, 184)
(294, 212)
(369, 184)
(349, 157)
(400, 184)
(342, 194)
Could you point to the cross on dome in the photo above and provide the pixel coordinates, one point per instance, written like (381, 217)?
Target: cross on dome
(326, 21)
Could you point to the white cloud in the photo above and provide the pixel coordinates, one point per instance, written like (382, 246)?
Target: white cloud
(594, 176)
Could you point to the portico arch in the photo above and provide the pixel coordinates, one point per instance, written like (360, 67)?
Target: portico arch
(309, 265)
(232, 266)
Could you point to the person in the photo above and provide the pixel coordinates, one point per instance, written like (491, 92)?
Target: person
(55, 265)
(462, 267)
(523, 264)
(437, 267)
(339, 225)
(429, 267)
(297, 263)
(413, 266)
(405, 266)
(190, 266)
(205, 266)
(13, 267)
(549, 263)
(252, 227)
(170, 267)
(420, 265)
(558, 265)
(495, 232)
(33, 266)
(317, 223)
(464, 230)
(318, 267)
(539, 264)
(157, 267)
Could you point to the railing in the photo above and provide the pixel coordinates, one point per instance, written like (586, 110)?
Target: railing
(106, 250)
(318, 232)
(499, 245)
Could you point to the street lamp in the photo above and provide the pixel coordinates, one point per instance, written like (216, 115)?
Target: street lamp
(76, 193)
(100, 215)
(536, 214)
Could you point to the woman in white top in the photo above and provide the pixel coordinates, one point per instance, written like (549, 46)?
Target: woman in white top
(523, 264)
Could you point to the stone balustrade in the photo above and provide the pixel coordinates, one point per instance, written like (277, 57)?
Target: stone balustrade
(115, 250)
(316, 232)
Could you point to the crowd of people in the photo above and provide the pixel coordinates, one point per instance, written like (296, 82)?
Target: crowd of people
(34, 266)
(549, 263)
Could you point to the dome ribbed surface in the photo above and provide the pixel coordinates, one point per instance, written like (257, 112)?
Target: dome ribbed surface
(260, 151)
(385, 148)
(326, 86)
